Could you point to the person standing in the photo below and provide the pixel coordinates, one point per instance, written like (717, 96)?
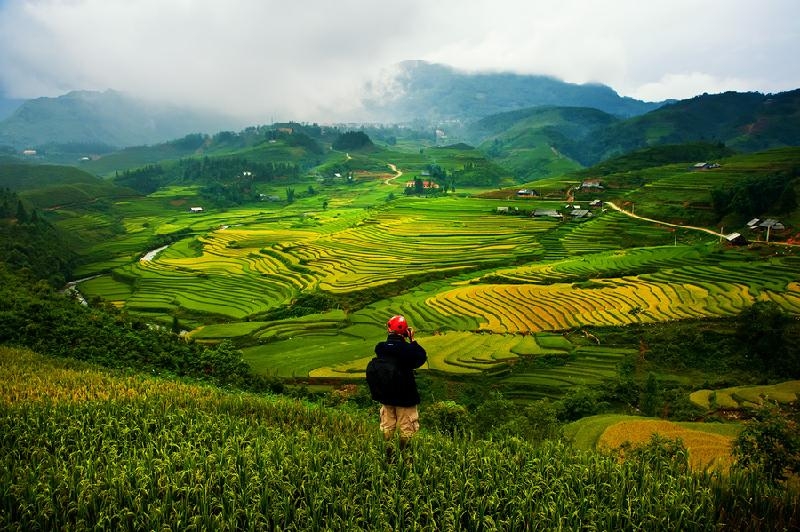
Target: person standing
(390, 376)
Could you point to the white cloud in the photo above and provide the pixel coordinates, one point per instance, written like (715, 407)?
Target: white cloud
(680, 86)
(308, 59)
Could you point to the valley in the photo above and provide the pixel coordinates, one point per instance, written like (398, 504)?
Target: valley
(600, 306)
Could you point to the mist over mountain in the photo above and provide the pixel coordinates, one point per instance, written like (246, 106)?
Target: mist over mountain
(431, 92)
(8, 106)
(509, 116)
(108, 118)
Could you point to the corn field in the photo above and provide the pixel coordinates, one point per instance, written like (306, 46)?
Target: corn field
(160, 455)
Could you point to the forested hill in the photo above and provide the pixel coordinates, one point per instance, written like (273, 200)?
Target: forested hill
(744, 122)
(30, 244)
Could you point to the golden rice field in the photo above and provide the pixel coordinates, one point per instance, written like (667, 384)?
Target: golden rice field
(26, 377)
(526, 308)
(707, 450)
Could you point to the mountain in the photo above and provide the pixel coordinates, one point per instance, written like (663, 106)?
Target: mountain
(535, 142)
(746, 122)
(524, 141)
(109, 118)
(433, 92)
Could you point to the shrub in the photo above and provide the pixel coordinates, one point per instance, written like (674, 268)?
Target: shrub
(447, 417)
(769, 445)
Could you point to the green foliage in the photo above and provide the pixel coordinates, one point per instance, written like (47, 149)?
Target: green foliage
(38, 317)
(659, 156)
(145, 180)
(581, 402)
(769, 445)
(496, 417)
(706, 345)
(755, 196)
(139, 453)
(447, 417)
(768, 336)
(31, 245)
(661, 456)
(352, 140)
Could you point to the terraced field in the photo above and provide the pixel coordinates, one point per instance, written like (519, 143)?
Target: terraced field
(483, 289)
(701, 287)
(746, 396)
(243, 270)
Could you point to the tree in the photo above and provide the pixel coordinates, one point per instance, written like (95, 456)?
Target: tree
(769, 445)
(760, 332)
(22, 214)
(448, 417)
(650, 396)
(419, 186)
(787, 202)
(289, 195)
(352, 140)
(493, 416)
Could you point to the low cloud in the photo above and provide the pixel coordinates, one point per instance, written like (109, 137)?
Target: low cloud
(309, 59)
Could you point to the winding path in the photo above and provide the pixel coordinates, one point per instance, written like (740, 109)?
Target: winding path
(632, 215)
(397, 173)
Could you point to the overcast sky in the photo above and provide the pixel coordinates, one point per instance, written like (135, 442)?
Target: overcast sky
(306, 59)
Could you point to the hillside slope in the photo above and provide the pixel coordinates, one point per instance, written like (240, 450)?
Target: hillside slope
(742, 121)
(128, 452)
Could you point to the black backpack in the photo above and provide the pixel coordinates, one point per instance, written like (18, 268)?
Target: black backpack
(382, 379)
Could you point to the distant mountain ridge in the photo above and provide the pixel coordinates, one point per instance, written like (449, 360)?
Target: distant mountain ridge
(434, 92)
(108, 118)
(531, 141)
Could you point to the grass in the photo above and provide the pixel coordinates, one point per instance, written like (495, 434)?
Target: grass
(132, 452)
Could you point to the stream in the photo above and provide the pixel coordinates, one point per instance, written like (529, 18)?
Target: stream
(72, 286)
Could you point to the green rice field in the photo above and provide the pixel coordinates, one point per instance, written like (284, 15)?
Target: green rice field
(483, 288)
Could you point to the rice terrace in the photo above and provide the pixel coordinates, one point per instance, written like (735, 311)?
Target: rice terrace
(187, 326)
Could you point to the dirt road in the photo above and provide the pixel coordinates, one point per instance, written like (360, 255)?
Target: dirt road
(632, 215)
(397, 173)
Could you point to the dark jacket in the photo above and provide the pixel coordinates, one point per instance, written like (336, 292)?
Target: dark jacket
(405, 357)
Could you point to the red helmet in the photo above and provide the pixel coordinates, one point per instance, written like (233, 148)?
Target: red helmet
(397, 325)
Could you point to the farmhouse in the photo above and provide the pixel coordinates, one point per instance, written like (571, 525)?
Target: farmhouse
(195, 209)
(772, 224)
(736, 239)
(547, 213)
(425, 184)
(29, 153)
(591, 184)
(705, 166)
(580, 213)
(527, 192)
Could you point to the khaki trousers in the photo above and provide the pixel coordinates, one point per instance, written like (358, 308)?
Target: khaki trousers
(404, 419)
